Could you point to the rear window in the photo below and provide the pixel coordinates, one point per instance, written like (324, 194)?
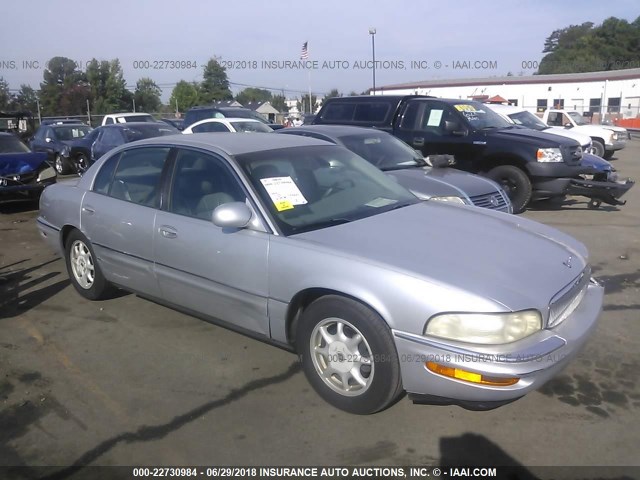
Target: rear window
(369, 112)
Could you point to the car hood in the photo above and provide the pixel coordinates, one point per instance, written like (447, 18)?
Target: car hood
(581, 138)
(19, 163)
(442, 181)
(534, 137)
(511, 260)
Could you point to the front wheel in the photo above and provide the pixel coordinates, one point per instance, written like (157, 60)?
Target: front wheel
(348, 355)
(84, 271)
(598, 148)
(82, 164)
(61, 165)
(515, 182)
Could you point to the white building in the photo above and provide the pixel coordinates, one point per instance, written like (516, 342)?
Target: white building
(614, 93)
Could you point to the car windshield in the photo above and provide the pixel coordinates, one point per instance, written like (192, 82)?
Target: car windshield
(11, 144)
(480, 117)
(384, 151)
(251, 127)
(72, 132)
(529, 120)
(140, 132)
(579, 119)
(308, 188)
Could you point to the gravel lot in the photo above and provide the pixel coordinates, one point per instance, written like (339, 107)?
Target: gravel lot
(126, 381)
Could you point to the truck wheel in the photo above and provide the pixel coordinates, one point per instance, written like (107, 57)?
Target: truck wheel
(515, 182)
(598, 148)
(348, 355)
(61, 165)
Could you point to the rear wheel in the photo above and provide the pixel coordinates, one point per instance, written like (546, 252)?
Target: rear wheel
(598, 148)
(84, 271)
(515, 183)
(61, 165)
(348, 355)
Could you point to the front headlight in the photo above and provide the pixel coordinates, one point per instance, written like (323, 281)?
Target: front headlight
(549, 155)
(46, 174)
(614, 136)
(485, 328)
(451, 199)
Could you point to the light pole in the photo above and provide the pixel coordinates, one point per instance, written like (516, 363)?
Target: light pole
(372, 32)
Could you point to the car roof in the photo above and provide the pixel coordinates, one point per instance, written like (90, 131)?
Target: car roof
(506, 109)
(234, 143)
(127, 114)
(332, 131)
(228, 119)
(135, 124)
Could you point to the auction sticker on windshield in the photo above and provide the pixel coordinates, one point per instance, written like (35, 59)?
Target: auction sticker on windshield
(284, 192)
(465, 108)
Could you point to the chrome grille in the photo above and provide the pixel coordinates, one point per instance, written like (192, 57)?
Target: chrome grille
(494, 201)
(566, 301)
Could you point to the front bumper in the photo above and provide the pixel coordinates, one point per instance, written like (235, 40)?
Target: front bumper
(617, 145)
(607, 192)
(533, 360)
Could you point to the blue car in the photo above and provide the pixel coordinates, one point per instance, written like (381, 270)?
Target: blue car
(599, 182)
(23, 173)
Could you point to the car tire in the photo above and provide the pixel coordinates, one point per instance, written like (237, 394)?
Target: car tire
(348, 355)
(83, 269)
(81, 164)
(61, 165)
(608, 154)
(598, 148)
(515, 182)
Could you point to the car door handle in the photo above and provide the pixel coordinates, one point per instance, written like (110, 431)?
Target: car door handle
(88, 209)
(168, 232)
(418, 141)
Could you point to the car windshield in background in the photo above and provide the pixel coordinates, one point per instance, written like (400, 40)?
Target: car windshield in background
(72, 132)
(140, 132)
(579, 119)
(251, 127)
(136, 118)
(383, 151)
(480, 117)
(244, 113)
(11, 144)
(308, 188)
(529, 120)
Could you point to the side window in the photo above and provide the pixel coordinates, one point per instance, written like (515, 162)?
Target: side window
(110, 136)
(210, 127)
(200, 183)
(339, 111)
(104, 176)
(109, 121)
(433, 119)
(49, 133)
(371, 112)
(410, 116)
(137, 176)
(554, 119)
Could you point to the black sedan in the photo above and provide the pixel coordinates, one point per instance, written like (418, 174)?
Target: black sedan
(112, 136)
(52, 139)
(23, 173)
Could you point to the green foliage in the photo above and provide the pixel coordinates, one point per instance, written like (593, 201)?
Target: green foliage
(184, 96)
(333, 93)
(303, 104)
(612, 45)
(253, 95)
(279, 102)
(109, 92)
(64, 89)
(26, 100)
(5, 95)
(215, 84)
(147, 96)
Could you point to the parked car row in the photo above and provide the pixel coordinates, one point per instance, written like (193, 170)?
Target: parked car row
(302, 243)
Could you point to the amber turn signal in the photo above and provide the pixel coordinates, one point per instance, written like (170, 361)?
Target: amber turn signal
(470, 376)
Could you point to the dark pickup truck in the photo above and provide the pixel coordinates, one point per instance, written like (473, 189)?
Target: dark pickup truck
(530, 165)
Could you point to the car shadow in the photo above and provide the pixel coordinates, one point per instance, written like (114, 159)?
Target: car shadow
(18, 205)
(556, 204)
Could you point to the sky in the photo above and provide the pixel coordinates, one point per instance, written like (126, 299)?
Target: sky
(169, 40)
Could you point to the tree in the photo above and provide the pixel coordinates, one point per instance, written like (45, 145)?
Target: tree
(252, 94)
(279, 102)
(184, 96)
(215, 84)
(582, 48)
(26, 99)
(333, 93)
(303, 105)
(108, 88)
(5, 94)
(147, 95)
(64, 89)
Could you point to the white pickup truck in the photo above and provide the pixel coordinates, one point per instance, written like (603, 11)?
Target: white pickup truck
(606, 138)
(127, 117)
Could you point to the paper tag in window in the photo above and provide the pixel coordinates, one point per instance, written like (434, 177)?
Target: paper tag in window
(284, 193)
(465, 108)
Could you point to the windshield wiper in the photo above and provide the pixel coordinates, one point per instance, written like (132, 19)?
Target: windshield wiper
(399, 166)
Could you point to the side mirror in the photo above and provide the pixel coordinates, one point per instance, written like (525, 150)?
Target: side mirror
(568, 125)
(231, 215)
(48, 140)
(454, 128)
(440, 161)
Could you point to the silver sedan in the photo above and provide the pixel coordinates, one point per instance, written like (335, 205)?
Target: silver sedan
(307, 246)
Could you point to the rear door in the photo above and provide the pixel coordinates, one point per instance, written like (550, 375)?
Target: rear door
(216, 272)
(118, 216)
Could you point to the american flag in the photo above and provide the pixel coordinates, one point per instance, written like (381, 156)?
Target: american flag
(305, 51)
